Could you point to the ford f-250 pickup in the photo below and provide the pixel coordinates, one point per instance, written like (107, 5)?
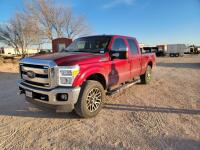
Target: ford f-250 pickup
(81, 75)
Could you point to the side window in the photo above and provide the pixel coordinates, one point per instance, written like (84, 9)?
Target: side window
(133, 46)
(119, 45)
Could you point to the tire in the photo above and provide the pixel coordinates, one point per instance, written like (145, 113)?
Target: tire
(177, 55)
(146, 78)
(91, 92)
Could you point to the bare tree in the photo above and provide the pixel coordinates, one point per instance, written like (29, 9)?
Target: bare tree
(74, 25)
(41, 20)
(19, 33)
(56, 21)
(8, 36)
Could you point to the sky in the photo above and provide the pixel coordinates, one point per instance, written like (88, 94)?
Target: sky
(150, 21)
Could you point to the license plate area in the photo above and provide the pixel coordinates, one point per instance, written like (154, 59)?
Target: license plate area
(29, 94)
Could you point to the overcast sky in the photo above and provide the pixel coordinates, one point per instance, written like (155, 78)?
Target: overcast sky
(151, 21)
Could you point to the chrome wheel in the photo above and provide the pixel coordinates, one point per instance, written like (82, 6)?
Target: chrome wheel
(93, 100)
(148, 75)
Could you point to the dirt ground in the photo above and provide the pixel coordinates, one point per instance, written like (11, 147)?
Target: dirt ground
(163, 115)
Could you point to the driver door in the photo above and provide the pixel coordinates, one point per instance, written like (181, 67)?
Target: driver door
(119, 66)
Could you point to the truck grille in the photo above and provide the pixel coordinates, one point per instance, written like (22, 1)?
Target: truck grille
(35, 75)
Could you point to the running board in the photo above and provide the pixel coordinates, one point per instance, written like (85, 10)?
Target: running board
(118, 89)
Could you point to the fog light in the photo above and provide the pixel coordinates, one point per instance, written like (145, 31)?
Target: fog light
(62, 97)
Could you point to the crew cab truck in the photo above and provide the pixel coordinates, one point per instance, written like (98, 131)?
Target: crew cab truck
(81, 75)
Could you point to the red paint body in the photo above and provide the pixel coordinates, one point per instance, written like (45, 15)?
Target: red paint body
(114, 71)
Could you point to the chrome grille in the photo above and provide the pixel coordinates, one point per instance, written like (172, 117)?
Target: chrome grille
(41, 75)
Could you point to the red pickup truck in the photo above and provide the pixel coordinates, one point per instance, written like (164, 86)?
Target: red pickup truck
(81, 75)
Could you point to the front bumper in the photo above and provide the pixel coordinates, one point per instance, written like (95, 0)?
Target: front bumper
(51, 101)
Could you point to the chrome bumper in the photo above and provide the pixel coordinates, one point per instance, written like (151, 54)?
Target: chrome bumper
(61, 106)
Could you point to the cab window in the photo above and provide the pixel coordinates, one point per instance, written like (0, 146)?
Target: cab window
(119, 48)
(133, 46)
(119, 45)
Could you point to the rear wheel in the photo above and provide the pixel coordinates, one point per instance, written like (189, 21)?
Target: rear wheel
(90, 100)
(146, 78)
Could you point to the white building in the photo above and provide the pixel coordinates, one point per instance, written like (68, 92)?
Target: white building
(9, 51)
(33, 49)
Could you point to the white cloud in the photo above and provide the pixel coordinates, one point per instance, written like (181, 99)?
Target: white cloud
(113, 3)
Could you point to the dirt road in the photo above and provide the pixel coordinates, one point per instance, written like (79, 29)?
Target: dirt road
(162, 115)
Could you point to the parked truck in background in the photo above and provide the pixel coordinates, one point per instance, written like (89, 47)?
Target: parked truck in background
(194, 49)
(176, 50)
(80, 76)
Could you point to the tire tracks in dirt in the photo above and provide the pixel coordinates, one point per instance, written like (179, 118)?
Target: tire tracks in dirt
(150, 126)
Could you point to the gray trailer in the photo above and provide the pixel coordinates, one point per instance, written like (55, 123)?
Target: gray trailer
(176, 50)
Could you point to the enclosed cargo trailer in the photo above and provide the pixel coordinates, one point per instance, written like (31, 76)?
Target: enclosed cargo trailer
(176, 49)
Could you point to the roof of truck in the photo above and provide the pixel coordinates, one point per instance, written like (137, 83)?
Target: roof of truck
(109, 35)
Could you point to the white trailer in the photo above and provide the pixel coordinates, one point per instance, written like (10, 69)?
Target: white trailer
(176, 49)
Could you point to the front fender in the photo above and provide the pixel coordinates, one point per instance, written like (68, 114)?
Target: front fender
(83, 75)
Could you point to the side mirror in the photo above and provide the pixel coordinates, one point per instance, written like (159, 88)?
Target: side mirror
(121, 53)
(115, 55)
(123, 49)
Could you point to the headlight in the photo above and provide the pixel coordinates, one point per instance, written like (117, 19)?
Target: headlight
(68, 74)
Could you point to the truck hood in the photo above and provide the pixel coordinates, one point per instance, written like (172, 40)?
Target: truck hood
(69, 59)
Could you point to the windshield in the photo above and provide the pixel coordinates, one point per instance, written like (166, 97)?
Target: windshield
(93, 44)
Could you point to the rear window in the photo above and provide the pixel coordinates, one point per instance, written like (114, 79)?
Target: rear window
(133, 46)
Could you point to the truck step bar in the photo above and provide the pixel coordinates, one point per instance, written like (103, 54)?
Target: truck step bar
(119, 89)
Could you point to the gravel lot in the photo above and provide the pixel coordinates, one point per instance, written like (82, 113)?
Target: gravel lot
(162, 115)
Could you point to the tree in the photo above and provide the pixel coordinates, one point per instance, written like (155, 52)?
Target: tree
(56, 21)
(41, 20)
(8, 36)
(20, 32)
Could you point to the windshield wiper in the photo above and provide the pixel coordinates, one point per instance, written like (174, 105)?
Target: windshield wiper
(90, 51)
(69, 50)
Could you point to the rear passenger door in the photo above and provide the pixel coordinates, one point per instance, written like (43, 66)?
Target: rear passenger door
(135, 58)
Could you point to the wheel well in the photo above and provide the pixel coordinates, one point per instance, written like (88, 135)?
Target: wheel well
(98, 77)
(150, 64)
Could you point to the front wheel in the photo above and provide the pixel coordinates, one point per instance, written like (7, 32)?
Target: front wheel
(146, 78)
(90, 99)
